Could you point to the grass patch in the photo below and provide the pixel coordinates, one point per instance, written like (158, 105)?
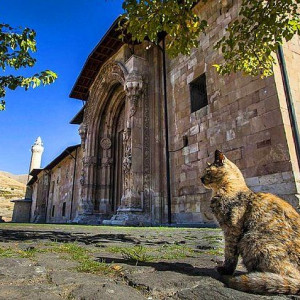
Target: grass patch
(216, 252)
(6, 252)
(102, 228)
(175, 251)
(143, 254)
(213, 239)
(16, 252)
(136, 253)
(81, 255)
(27, 253)
(72, 251)
(95, 267)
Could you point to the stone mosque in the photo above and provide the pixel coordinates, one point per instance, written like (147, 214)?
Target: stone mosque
(140, 159)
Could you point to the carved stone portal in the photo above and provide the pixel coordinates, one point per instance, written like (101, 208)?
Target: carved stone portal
(132, 138)
(113, 178)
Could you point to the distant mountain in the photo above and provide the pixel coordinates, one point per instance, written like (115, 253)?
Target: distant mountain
(11, 187)
(21, 178)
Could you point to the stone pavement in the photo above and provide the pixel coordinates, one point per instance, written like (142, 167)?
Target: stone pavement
(92, 262)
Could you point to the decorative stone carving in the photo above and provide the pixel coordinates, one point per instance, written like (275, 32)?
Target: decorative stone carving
(131, 200)
(127, 162)
(146, 151)
(82, 132)
(107, 163)
(82, 177)
(113, 71)
(105, 143)
(94, 164)
(133, 88)
(225, 5)
(127, 159)
(89, 161)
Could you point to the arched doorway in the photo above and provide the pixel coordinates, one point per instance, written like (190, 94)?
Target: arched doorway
(118, 174)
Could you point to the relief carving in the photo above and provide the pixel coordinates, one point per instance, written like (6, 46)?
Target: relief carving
(82, 181)
(107, 163)
(110, 72)
(146, 151)
(127, 159)
(105, 143)
(133, 88)
(83, 133)
(89, 161)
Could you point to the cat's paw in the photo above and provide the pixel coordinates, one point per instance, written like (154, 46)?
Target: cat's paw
(224, 271)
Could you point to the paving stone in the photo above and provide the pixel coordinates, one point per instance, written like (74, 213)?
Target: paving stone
(188, 273)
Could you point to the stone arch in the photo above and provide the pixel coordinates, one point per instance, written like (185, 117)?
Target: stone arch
(105, 96)
(105, 147)
(110, 75)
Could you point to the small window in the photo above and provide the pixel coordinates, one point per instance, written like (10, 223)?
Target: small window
(198, 93)
(53, 210)
(64, 209)
(52, 187)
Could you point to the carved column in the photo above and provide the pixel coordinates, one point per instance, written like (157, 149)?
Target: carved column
(82, 132)
(88, 187)
(86, 178)
(132, 139)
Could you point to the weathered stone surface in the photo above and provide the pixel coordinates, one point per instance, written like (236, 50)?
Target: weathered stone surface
(121, 175)
(182, 265)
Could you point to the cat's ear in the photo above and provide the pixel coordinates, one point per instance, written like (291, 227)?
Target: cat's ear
(219, 158)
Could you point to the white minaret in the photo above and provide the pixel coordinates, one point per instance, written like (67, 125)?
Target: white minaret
(37, 150)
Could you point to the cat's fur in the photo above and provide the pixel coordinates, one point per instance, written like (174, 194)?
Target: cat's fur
(261, 227)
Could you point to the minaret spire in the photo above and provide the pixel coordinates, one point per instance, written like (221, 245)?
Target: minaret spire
(37, 150)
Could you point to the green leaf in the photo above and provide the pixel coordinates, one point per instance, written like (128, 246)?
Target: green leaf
(15, 52)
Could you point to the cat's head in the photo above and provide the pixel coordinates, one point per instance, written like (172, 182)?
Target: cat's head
(222, 172)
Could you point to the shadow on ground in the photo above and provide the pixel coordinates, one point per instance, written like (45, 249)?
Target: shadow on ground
(178, 267)
(67, 237)
(63, 237)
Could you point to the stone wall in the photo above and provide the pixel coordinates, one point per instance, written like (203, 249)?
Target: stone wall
(21, 213)
(291, 52)
(40, 192)
(62, 197)
(243, 118)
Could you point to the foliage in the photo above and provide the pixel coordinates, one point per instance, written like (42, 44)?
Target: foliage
(250, 40)
(16, 46)
(6, 252)
(152, 17)
(141, 253)
(175, 251)
(137, 254)
(86, 263)
(30, 252)
(261, 28)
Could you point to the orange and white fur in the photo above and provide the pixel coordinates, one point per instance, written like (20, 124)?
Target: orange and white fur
(261, 228)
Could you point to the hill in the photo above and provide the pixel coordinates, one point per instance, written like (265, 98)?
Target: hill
(10, 189)
(21, 178)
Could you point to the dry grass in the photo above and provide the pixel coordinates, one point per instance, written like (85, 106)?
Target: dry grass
(10, 189)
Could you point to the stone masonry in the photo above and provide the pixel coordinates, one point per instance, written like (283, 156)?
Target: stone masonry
(120, 175)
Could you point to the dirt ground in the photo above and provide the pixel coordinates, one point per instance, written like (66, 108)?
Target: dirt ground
(96, 262)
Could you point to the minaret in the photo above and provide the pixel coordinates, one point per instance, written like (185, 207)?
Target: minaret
(37, 150)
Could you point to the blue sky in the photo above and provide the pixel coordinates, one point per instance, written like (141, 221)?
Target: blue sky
(67, 31)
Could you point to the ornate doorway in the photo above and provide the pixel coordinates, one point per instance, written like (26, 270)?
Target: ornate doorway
(118, 174)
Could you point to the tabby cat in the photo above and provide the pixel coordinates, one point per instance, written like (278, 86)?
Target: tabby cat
(261, 227)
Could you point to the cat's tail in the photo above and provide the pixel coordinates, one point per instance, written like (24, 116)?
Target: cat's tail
(264, 283)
